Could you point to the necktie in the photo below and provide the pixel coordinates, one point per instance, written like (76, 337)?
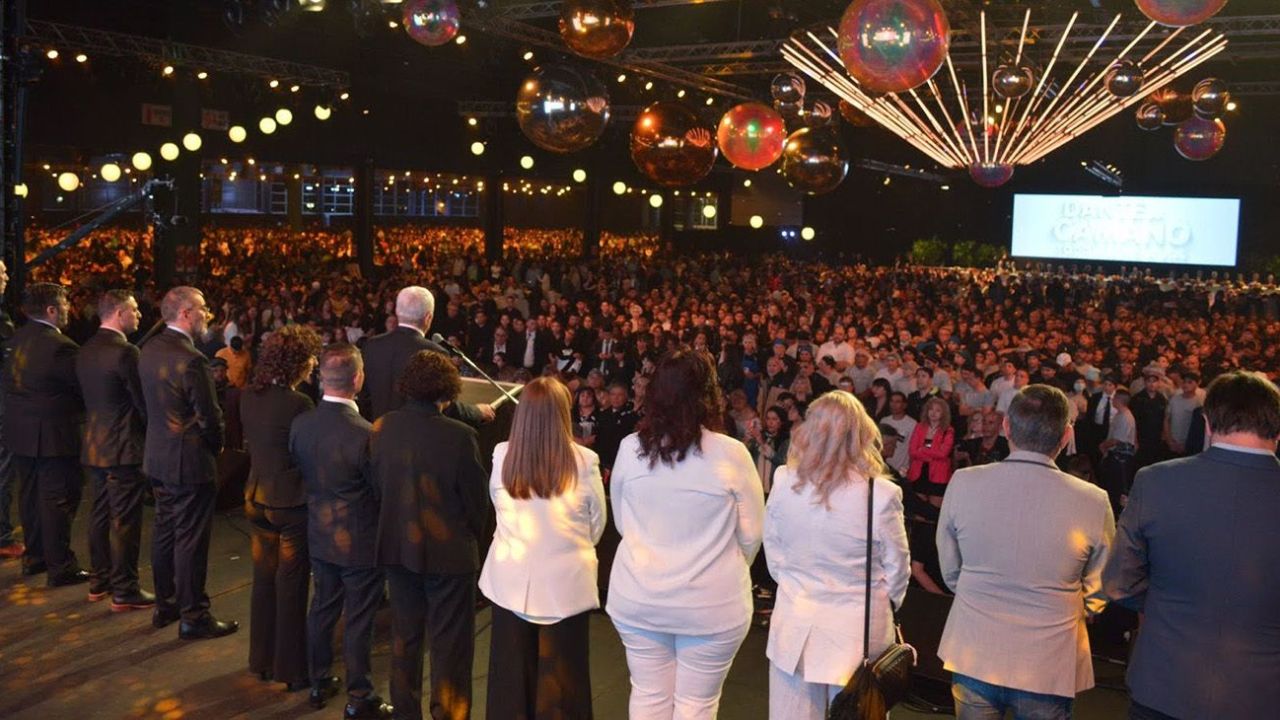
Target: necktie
(1106, 415)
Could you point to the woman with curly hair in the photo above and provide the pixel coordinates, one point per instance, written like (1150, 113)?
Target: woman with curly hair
(690, 509)
(276, 507)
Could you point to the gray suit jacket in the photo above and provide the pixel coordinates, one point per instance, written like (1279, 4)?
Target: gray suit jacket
(1022, 544)
(1198, 551)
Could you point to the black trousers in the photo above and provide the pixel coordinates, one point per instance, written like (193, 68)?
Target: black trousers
(539, 672)
(115, 528)
(355, 592)
(180, 546)
(442, 606)
(51, 488)
(278, 604)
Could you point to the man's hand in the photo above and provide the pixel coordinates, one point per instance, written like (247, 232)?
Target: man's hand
(486, 412)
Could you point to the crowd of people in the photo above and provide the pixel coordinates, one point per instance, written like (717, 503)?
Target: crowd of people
(677, 391)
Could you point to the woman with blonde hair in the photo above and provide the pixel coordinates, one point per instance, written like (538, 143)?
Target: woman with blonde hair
(541, 569)
(815, 539)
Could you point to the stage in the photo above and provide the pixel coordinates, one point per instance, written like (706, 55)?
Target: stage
(63, 657)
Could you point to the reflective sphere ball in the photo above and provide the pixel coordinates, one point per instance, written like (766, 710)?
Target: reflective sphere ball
(1012, 81)
(787, 88)
(814, 161)
(431, 22)
(562, 109)
(854, 116)
(597, 28)
(1210, 97)
(1180, 13)
(1124, 79)
(893, 46)
(991, 175)
(751, 136)
(1199, 138)
(1150, 117)
(670, 146)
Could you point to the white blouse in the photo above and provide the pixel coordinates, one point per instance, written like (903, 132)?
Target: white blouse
(689, 534)
(542, 563)
(819, 558)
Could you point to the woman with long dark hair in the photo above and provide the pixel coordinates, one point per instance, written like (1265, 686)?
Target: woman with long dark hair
(276, 507)
(541, 569)
(690, 509)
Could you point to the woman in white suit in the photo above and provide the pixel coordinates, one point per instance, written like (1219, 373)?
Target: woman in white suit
(816, 545)
(689, 506)
(541, 569)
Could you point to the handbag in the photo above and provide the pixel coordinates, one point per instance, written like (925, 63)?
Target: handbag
(880, 683)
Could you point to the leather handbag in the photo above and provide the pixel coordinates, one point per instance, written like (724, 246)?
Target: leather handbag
(882, 682)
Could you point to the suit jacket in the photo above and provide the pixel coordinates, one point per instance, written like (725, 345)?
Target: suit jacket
(116, 419)
(428, 471)
(1197, 552)
(44, 409)
(184, 421)
(1022, 544)
(385, 357)
(330, 445)
(267, 414)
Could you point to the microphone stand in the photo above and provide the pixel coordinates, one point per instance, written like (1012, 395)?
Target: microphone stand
(449, 346)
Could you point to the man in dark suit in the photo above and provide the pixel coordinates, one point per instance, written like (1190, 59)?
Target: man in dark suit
(9, 547)
(434, 511)
(184, 435)
(43, 414)
(386, 356)
(1196, 551)
(114, 432)
(330, 445)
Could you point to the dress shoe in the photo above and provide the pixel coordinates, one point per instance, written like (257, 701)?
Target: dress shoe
(206, 628)
(12, 551)
(323, 690)
(34, 568)
(98, 593)
(264, 676)
(369, 706)
(164, 616)
(136, 600)
(298, 686)
(74, 577)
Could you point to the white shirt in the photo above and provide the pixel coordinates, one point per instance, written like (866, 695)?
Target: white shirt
(417, 330)
(344, 401)
(901, 460)
(530, 340)
(819, 558)
(1104, 402)
(542, 564)
(1000, 384)
(175, 328)
(840, 351)
(689, 534)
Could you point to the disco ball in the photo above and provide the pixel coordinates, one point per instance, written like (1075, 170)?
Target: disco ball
(991, 175)
(597, 28)
(431, 22)
(813, 160)
(1176, 106)
(892, 46)
(1210, 97)
(792, 113)
(1013, 81)
(818, 116)
(670, 146)
(562, 109)
(751, 136)
(1180, 13)
(1150, 117)
(854, 116)
(1124, 79)
(1200, 138)
(787, 88)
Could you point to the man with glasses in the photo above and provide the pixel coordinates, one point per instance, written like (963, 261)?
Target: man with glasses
(184, 436)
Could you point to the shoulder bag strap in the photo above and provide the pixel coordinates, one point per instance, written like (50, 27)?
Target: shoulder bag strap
(866, 622)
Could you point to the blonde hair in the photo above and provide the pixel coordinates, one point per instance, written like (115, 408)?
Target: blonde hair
(540, 457)
(836, 437)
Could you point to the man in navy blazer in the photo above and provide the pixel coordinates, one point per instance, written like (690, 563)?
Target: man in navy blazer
(1197, 552)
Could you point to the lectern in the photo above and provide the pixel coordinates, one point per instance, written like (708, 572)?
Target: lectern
(478, 391)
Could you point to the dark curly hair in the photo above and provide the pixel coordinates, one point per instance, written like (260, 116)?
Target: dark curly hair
(285, 357)
(683, 397)
(431, 378)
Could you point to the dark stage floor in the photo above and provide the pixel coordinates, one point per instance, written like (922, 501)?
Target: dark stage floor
(62, 657)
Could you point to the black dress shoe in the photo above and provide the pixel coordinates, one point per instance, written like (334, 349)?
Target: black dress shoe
(298, 686)
(34, 568)
(98, 592)
(136, 600)
(206, 628)
(264, 676)
(74, 577)
(164, 616)
(323, 690)
(370, 706)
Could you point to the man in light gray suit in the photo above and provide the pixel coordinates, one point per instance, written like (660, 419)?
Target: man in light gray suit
(1198, 552)
(1022, 544)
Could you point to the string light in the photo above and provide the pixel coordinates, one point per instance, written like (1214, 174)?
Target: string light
(141, 161)
(169, 151)
(237, 134)
(619, 188)
(267, 125)
(709, 211)
(808, 233)
(655, 201)
(477, 148)
(192, 142)
(68, 181)
(580, 175)
(526, 162)
(284, 116)
(757, 222)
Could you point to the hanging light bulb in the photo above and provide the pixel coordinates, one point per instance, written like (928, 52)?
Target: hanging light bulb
(655, 201)
(68, 181)
(192, 142)
(110, 172)
(619, 188)
(526, 162)
(237, 134)
(757, 222)
(267, 125)
(141, 161)
(477, 148)
(284, 116)
(709, 211)
(808, 233)
(323, 112)
(169, 151)
(580, 175)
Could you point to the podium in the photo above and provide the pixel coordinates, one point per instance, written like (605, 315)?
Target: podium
(477, 391)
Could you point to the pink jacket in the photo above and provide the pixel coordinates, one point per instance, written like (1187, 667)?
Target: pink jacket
(938, 456)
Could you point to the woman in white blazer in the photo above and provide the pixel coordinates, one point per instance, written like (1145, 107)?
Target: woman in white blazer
(541, 569)
(690, 509)
(816, 545)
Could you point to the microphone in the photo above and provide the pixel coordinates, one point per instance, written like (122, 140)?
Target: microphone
(438, 339)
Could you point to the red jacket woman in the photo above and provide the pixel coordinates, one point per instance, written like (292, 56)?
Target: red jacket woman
(931, 446)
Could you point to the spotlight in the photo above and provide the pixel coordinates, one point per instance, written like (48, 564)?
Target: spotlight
(648, 85)
(580, 175)
(461, 40)
(680, 94)
(472, 122)
(192, 142)
(946, 187)
(81, 58)
(20, 190)
(477, 148)
(345, 96)
(709, 211)
(110, 172)
(312, 5)
(526, 162)
(169, 151)
(251, 161)
(202, 75)
(237, 134)
(619, 188)
(1231, 106)
(711, 101)
(274, 84)
(655, 201)
(284, 116)
(393, 24)
(622, 77)
(168, 70)
(295, 88)
(141, 161)
(267, 125)
(757, 222)
(808, 233)
(52, 54)
(528, 55)
(68, 182)
(323, 112)
(746, 183)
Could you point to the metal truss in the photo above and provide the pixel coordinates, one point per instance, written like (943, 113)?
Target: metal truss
(905, 171)
(163, 52)
(534, 10)
(506, 109)
(1255, 89)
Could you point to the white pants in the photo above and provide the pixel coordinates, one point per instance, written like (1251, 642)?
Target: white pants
(678, 677)
(791, 698)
